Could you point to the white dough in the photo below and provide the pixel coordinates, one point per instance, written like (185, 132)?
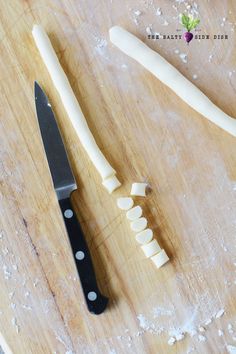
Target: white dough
(111, 184)
(144, 236)
(125, 203)
(4, 346)
(70, 103)
(151, 248)
(139, 224)
(171, 77)
(134, 213)
(139, 189)
(160, 259)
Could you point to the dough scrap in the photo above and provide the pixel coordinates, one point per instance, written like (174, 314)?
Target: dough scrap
(139, 189)
(170, 76)
(160, 259)
(151, 248)
(134, 213)
(139, 224)
(70, 103)
(144, 236)
(125, 203)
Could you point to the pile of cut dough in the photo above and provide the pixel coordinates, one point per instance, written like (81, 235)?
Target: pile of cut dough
(138, 224)
(170, 76)
(72, 107)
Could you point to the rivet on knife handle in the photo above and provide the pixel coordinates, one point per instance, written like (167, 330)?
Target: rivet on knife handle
(96, 302)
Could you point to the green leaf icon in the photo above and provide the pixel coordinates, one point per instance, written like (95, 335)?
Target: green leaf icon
(189, 22)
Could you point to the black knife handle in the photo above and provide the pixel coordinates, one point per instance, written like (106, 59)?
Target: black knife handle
(96, 302)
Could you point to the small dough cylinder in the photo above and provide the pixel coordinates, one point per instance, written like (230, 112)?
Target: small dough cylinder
(70, 102)
(160, 259)
(139, 224)
(144, 236)
(125, 203)
(111, 184)
(139, 189)
(134, 213)
(171, 77)
(151, 248)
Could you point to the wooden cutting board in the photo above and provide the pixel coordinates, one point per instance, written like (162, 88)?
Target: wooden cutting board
(148, 134)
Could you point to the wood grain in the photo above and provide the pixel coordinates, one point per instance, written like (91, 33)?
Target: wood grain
(147, 133)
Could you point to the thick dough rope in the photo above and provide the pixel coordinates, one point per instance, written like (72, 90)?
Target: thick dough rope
(170, 76)
(73, 109)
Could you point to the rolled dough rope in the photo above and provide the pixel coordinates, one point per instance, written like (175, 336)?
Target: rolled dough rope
(71, 104)
(125, 203)
(144, 236)
(139, 224)
(134, 213)
(160, 259)
(171, 77)
(139, 189)
(151, 248)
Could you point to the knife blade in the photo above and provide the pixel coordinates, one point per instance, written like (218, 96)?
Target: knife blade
(64, 185)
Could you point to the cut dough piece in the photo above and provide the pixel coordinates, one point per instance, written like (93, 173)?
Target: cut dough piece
(160, 259)
(111, 184)
(144, 236)
(134, 213)
(70, 103)
(139, 224)
(171, 77)
(151, 248)
(125, 203)
(139, 189)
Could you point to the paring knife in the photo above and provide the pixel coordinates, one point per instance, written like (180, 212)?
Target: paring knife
(64, 184)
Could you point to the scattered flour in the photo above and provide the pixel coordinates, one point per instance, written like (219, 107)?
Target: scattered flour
(171, 341)
(230, 328)
(201, 329)
(179, 337)
(210, 58)
(183, 57)
(201, 338)
(165, 23)
(209, 321)
(149, 29)
(220, 313)
(137, 12)
(231, 349)
(100, 47)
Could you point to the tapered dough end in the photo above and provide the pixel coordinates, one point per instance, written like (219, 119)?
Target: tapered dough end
(115, 31)
(123, 39)
(151, 248)
(111, 184)
(36, 27)
(160, 259)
